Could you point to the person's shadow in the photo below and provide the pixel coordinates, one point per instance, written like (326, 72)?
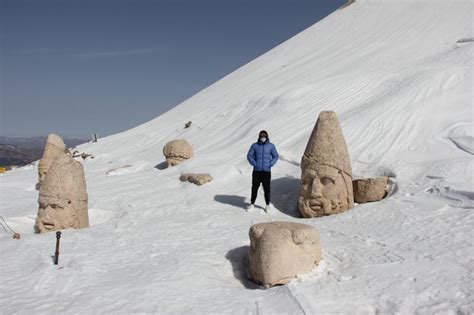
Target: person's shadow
(284, 195)
(239, 259)
(233, 200)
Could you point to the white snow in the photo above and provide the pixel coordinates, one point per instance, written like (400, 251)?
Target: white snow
(463, 137)
(399, 75)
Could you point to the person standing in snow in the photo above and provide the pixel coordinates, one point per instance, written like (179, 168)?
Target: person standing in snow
(262, 156)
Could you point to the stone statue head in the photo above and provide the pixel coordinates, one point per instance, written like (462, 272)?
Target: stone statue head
(279, 251)
(326, 177)
(63, 197)
(57, 214)
(177, 151)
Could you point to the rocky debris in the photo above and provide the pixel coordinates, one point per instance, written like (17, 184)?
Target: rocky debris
(279, 251)
(177, 151)
(197, 179)
(370, 189)
(326, 177)
(83, 155)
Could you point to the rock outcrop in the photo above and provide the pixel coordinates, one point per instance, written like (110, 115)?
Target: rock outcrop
(54, 148)
(197, 179)
(63, 197)
(177, 151)
(279, 251)
(370, 189)
(326, 177)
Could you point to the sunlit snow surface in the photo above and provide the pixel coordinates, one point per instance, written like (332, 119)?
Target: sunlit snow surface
(399, 75)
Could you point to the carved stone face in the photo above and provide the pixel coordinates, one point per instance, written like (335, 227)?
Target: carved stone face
(57, 214)
(63, 197)
(324, 191)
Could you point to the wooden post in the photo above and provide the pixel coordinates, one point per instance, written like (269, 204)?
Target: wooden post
(56, 254)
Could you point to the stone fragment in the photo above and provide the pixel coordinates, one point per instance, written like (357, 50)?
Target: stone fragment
(197, 179)
(54, 147)
(63, 197)
(326, 177)
(82, 155)
(177, 151)
(370, 189)
(279, 251)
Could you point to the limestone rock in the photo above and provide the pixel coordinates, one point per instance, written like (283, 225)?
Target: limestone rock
(63, 197)
(370, 189)
(54, 147)
(197, 179)
(326, 176)
(177, 151)
(281, 250)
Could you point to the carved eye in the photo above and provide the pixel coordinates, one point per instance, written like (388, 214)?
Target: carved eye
(327, 181)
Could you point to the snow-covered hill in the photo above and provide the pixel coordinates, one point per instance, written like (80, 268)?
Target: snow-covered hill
(400, 76)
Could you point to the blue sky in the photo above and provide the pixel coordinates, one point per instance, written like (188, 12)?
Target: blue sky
(76, 67)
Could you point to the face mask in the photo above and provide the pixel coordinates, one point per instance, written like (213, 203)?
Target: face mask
(263, 139)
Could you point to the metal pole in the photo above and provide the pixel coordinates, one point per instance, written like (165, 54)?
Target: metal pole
(56, 254)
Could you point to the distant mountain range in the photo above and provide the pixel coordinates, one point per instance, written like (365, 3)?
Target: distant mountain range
(22, 151)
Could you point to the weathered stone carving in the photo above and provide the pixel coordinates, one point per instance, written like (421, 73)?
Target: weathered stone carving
(177, 151)
(279, 251)
(370, 189)
(54, 147)
(197, 179)
(326, 177)
(63, 197)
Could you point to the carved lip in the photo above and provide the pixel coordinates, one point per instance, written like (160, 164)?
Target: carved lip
(47, 224)
(314, 204)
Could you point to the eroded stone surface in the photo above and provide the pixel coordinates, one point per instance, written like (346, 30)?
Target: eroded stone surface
(370, 189)
(54, 147)
(197, 179)
(326, 177)
(177, 151)
(63, 197)
(281, 250)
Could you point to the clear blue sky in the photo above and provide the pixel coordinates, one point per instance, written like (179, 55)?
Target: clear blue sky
(75, 67)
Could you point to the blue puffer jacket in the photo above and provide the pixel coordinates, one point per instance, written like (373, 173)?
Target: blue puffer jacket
(262, 156)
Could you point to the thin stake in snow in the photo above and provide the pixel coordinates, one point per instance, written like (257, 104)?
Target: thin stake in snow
(56, 254)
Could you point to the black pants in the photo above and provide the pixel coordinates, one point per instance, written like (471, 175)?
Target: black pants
(264, 178)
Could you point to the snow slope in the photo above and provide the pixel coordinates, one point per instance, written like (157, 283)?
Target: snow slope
(399, 75)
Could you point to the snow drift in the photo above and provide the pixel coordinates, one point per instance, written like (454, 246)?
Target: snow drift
(399, 75)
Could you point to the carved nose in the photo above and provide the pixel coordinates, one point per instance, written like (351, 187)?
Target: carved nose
(316, 188)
